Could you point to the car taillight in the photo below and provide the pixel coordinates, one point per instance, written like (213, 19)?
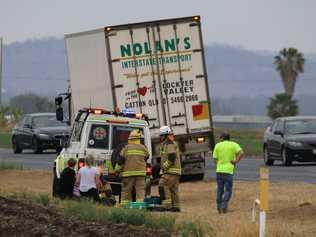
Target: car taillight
(148, 170)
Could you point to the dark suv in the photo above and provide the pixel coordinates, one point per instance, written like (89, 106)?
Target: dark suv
(290, 139)
(39, 131)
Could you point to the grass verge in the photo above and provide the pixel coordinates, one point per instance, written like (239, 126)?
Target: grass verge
(5, 140)
(249, 140)
(90, 212)
(7, 165)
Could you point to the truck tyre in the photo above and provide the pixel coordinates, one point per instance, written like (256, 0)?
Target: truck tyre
(285, 159)
(266, 156)
(198, 176)
(16, 146)
(191, 177)
(36, 146)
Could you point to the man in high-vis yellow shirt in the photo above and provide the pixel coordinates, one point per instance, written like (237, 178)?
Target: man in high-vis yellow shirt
(226, 155)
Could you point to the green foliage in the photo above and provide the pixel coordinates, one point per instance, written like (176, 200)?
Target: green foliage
(189, 228)
(89, 211)
(282, 105)
(249, 140)
(289, 62)
(5, 140)
(6, 165)
(8, 116)
(31, 103)
(43, 199)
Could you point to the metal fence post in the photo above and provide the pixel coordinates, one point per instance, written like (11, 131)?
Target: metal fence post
(264, 200)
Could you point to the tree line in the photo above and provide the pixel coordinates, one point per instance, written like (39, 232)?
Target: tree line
(23, 104)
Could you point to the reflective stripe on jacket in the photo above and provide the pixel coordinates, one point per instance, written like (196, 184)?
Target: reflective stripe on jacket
(168, 166)
(135, 160)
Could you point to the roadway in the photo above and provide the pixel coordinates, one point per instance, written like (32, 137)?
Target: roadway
(247, 169)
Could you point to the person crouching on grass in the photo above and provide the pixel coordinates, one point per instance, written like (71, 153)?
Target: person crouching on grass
(226, 155)
(88, 179)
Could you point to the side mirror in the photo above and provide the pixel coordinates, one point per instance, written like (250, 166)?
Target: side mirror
(58, 101)
(60, 114)
(278, 132)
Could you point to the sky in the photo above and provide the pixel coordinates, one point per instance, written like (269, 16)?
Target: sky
(250, 24)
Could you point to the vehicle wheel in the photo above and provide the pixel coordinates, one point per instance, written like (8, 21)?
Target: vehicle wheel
(194, 177)
(36, 146)
(285, 159)
(56, 185)
(266, 157)
(16, 146)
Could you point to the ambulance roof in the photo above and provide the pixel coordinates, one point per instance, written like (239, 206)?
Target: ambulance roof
(115, 119)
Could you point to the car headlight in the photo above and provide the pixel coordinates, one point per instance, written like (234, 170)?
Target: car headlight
(43, 136)
(295, 144)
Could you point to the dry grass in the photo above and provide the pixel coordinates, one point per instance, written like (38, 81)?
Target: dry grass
(25, 181)
(292, 205)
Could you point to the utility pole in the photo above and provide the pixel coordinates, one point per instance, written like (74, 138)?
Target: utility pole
(1, 63)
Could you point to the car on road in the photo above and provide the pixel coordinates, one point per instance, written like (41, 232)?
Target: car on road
(39, 131)
(290, 139)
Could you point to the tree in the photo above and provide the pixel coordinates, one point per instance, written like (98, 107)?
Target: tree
(31, 103)
(282, 105)
(289, 62)
(8, 117)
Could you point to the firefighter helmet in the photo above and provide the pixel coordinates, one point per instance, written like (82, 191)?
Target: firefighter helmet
(165, 130)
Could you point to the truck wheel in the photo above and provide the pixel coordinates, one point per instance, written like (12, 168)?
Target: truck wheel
(198, 176)
(36, 146)
(266, 157)
(285, 159)
(193, 177)
(16, 146)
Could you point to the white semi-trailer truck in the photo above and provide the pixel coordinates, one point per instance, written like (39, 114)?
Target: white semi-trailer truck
(156, 68)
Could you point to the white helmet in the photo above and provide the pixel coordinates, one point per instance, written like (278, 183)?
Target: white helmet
(165, 130)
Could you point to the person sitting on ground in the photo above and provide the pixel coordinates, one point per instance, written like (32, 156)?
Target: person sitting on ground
(67, 179)
(88, 179)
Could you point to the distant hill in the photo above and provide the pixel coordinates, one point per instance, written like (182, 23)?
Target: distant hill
(235, 74)
(38, 66)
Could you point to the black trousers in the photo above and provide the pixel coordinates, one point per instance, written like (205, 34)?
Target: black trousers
(92, 193)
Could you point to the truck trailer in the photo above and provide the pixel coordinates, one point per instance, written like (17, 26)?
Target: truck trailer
(156, 68)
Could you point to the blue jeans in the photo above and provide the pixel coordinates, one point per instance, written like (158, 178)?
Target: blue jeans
(224, 189)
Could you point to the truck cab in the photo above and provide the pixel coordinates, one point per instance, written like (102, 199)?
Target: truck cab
(100, 133)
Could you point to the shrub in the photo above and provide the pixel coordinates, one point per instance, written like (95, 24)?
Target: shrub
(193, 229)
(89, 211)
(43, 199)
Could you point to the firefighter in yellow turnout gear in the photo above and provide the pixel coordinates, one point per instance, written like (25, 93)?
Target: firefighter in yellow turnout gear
(170, 170)
(132, 167)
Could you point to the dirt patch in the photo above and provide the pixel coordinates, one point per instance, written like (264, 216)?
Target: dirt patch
(292, 205)
(23, 218)
(26, 181)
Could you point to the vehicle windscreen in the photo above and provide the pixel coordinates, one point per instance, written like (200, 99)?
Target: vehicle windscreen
(121, 133)
(46, 121)
(307, 126)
